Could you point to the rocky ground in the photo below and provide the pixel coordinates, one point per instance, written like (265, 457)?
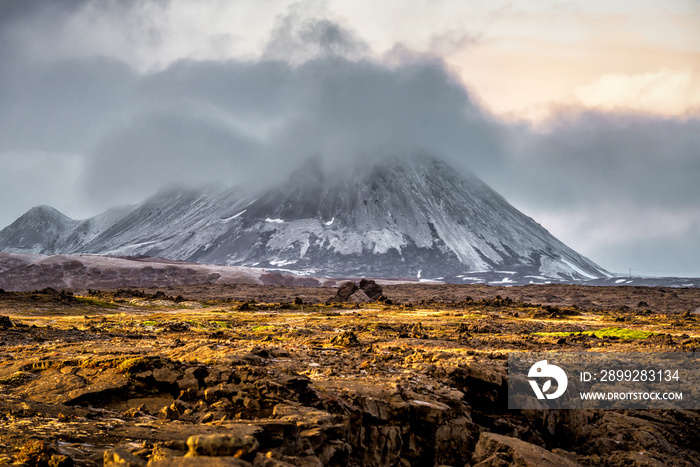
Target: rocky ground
(273, 376)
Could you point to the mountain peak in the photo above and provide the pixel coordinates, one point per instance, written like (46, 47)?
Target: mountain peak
(46, 211)
(35, 230)
(392, 218)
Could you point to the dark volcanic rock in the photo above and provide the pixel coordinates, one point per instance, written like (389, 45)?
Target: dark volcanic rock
(371, 289)
(366, 291)
(5, 322)
(359, 297)
(345, 291)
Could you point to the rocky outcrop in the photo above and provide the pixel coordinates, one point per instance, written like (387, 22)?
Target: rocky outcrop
(364, 292)
(345, 291)
(371, 289)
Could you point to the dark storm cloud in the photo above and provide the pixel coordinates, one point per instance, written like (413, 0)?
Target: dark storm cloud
(227, 122)
(619, 187)
(593, 158)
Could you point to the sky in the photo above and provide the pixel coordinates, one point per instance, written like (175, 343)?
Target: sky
(585, 115)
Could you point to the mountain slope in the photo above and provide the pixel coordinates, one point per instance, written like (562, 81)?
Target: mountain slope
(397, 218)
(35, 231)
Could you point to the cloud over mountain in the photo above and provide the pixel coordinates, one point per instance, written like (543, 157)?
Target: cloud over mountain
(105, 103)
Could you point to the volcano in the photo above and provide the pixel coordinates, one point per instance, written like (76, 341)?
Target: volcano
(399, 218)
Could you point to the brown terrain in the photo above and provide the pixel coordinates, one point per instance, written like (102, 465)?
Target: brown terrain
(361, 375)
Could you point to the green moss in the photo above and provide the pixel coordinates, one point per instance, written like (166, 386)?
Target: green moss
(149, 323)
(262, 328)
(195, 324)
(620, 333)
(138, 364)
(92, 301)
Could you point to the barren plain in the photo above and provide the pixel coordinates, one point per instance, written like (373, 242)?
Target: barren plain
(268, 375)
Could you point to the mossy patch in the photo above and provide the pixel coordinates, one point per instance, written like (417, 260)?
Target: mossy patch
(265, 328)
(96, 302)
(138, 364)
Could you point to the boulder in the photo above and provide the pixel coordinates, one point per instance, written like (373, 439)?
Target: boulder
(371, 289)
(345, 291)
(366, 291)
(359, 297)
